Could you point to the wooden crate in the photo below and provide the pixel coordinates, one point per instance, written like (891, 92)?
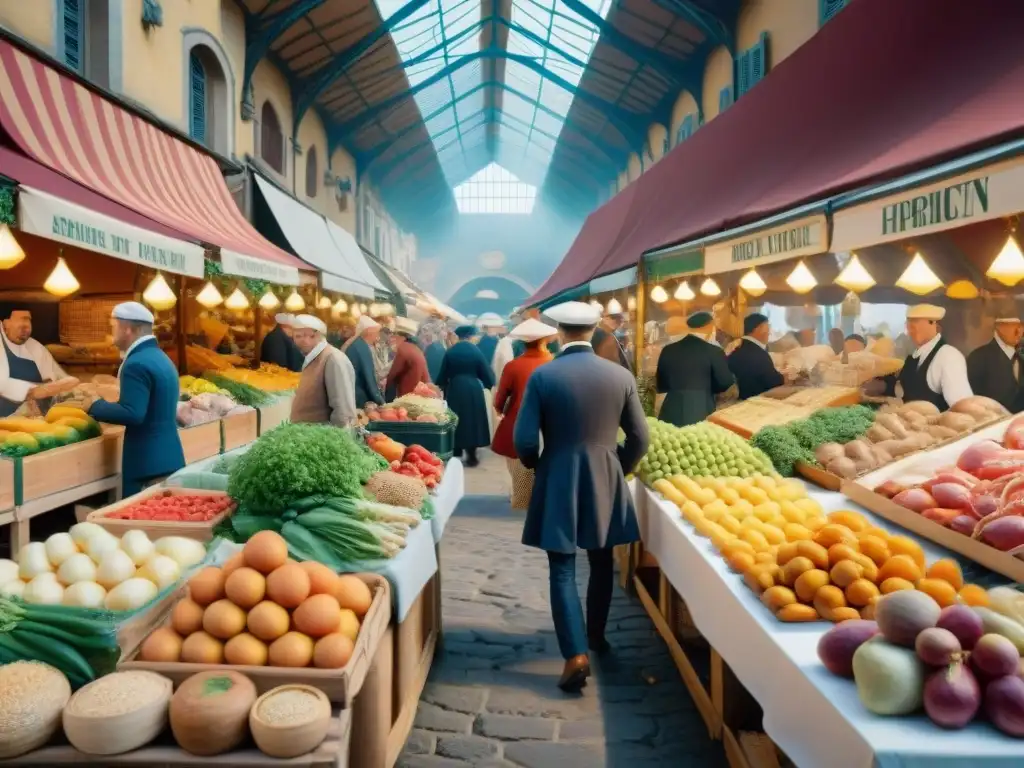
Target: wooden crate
(201, 441)
(6, 486)
(333, 752)
(275, 414)
(70, 466)
(240, 429)
(340, 685)
(1005, 563)
(156, 529)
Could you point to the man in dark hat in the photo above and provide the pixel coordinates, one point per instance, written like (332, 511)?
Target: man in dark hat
(691, 371)
(606, 343)
(463, 377)
(751, 363)
(995, 369)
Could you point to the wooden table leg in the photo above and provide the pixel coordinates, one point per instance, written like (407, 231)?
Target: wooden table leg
(371, 710)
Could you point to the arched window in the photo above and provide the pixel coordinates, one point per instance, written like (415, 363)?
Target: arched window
(197, 98)
(271, 138)
(311, 173)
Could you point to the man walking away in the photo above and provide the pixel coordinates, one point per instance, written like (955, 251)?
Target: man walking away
(576, 405)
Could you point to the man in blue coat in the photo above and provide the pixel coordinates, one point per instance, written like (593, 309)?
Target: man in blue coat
(359, 351)
(148, 404)
(576, 404)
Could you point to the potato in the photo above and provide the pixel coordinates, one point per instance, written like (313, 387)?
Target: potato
(973, 409)
(878, 434)
(941, 433)
(843, 467)
(882, 457)
(827, 452)
(858, 450)
(920, 406)
(960, 422)
(914, 420)
(892, 423)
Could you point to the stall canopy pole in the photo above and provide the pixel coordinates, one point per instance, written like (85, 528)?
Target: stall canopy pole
(641, 313)
(257, 330)
(179, 322)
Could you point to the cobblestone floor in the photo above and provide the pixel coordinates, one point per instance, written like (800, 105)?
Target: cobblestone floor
(491, 699)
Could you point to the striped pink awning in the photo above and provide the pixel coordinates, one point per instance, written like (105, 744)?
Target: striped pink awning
(78, 133)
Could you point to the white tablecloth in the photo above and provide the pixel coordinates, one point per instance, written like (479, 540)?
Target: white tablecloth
(449, 493)
(409, 572)
(813, 716)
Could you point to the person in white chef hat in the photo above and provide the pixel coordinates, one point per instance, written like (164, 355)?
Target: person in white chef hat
(147, 406)
(278, 347)
(935, 371)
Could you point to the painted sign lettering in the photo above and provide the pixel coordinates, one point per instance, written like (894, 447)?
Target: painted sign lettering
(963, 200)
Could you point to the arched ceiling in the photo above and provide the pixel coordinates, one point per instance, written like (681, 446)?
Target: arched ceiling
(425, 93)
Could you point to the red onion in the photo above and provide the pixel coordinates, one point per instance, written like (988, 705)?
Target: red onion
(916, 499)
(952, 696)
(951, 496)
(963, 524)
(995, 656)
(964, 623)
(1004, 533)
(937, 647)
(1004, 704)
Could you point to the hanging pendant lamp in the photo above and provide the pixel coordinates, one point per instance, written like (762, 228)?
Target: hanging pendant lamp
(61, 282)
(753, 284)
(710, 288)
(324, 303)
(800, 279)
(269, 301)
(855, 277)
(658, 295)
(1008, 266)
(158, 294)
(11, 254)
(918, 277)
(684, 292)
(237, 301)
(210, 297)
(294, 302)
(340, 307)
(614, 307)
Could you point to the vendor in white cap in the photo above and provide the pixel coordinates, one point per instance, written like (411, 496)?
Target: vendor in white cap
(509, 396)
(576, 405)
(994, 370)
(25, 364)
(148, 404)
(278, 347)
(359, 352)
(326, 392)
(936, 371)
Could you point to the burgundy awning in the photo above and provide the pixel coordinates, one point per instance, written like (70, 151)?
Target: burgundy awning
(882, 90)
(32, 174)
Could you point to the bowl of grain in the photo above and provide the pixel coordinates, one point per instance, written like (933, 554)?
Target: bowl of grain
(290, 720)
(117, 713)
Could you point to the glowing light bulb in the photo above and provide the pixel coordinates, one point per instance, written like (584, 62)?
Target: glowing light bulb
(61, 282)
(210, 297)
(753, 284)
(684, 292)
(710, 288)
(800, 279)
(963, 290)
(855, 277)
(918, 277)
(340, 307)
(294, 302)
(1008, 267)
(269, 300)
(11, 253)
(324, 302)
(659, 295)
(158, 294)
(614, 307)
(631, 303)
(237, 301)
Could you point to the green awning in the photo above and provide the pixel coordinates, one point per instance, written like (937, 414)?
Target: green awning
(676, 265)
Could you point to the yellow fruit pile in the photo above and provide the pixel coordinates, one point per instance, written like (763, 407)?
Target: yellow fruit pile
(804, 564)
(275, 380)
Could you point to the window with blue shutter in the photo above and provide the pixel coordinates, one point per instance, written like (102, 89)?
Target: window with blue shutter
(752, 65)
(197, 99)
(724, 99)
(74, 34)
(685, 129)
(829, 8)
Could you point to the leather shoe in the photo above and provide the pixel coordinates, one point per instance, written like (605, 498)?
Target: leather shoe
(599, 645)
(575, 674)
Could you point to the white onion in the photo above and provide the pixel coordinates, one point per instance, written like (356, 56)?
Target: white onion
(83, 532)
(60, 547)
(33, 561)
(101, 544)
(137, 546)
(78, 567)
(14, 588)
(44, 591)
(85, 594)
(161, 570)
(130, 595)
(8, 570)
(115, 567)
(185, 552)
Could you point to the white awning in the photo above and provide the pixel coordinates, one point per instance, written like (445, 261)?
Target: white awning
(308, 234)
(51, 217)
(353, 256)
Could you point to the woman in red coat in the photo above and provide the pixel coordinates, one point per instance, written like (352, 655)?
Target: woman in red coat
(509, 396)
(409, 367)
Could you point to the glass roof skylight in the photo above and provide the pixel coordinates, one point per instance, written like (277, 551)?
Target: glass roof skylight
(494, 190)
(548, 49)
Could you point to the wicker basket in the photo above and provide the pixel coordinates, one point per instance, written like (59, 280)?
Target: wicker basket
(86, 321)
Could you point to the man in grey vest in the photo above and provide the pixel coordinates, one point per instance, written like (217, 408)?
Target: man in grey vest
(327, 389)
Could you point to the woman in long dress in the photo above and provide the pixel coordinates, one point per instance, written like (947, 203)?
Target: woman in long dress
(509, 396)
(463, 377)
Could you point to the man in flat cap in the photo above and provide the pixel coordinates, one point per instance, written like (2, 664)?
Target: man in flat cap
(326, 393)
(751, 363)
(935, 371)
(691, 371)
(278, 347)
(994, 370)
(147, 407)
(576, 404)
(360, 353)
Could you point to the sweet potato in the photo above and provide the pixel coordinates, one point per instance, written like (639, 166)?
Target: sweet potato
(941, 515)
(920, 406)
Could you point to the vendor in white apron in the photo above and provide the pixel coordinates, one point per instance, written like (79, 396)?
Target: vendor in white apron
(936, 371)
(24, 363)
